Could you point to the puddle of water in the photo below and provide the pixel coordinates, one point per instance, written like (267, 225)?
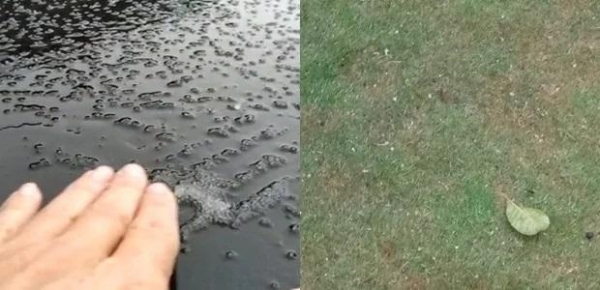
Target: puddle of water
(204, 94)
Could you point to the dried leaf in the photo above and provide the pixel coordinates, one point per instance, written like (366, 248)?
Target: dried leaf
(525, 220)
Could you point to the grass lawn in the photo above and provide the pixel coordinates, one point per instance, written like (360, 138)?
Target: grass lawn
(419, 116)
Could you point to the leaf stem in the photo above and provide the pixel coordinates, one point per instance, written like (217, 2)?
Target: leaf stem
(506, 197)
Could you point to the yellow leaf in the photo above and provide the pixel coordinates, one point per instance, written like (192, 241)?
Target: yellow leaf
(525, 220)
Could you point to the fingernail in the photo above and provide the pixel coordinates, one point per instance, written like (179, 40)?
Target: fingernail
(102, 173)
(133, 170)
(29, 189)
(158, 188)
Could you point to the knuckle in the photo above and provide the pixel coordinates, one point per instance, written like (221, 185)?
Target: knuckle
(114, 216)
(6, 231)
(118, 219)
(63, 216)
(159, 232)
(154, 280)
(150, 225)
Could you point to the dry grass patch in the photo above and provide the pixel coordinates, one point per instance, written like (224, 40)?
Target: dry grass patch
(374, 71)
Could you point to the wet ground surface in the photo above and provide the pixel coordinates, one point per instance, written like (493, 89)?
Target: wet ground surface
(204, 94)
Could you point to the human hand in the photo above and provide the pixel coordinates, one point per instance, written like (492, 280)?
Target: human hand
(104, 231)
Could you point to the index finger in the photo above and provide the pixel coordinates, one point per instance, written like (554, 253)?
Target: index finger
(103, 224)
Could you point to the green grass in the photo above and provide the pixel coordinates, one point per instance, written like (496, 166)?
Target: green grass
(419, 116)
